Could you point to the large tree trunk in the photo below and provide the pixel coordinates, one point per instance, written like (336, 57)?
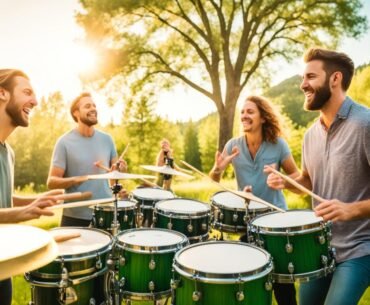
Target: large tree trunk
(226, 126)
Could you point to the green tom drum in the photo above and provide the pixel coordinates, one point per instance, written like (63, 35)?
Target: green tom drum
(145, 262)
(126, 215)
(77, 275)
(230, 213)
(190, 217)
(222, 272)
(146, 198)
(299, 243)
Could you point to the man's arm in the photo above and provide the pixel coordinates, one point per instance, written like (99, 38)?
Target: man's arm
(57, 181)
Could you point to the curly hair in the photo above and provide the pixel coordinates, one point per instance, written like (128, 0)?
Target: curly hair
(271, 129)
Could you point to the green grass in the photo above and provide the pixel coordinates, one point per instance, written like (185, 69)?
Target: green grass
(198, 189)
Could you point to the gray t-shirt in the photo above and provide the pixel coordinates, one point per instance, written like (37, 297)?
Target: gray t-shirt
(249, 171)
(338, 163)
(76, 154)
(6, 175)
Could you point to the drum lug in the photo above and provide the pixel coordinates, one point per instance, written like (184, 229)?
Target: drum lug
(151, 286)
(235, 217)
(204, 226)
(152, 264)
(169, 225)
(260, 243)
(190, 228)
(322, 239)
(196, 296)
(291, 268)
(289, 248)
(92, 301)
(125, 218)
(245, 218)
(122, 282)
(154, 217)
(240, 296)
(122, 261)
(324, 261)
(221, 216)
(101, 221)
(268, 286)
(98, 263)
(174, 283)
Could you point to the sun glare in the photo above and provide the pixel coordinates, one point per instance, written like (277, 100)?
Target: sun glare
(84, 59)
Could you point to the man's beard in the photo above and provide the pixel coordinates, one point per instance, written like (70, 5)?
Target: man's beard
(322, 95)
(15, 112)
(89, 122)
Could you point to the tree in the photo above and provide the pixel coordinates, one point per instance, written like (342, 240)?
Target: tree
(191, 146)
(360, 86)
(216, 47)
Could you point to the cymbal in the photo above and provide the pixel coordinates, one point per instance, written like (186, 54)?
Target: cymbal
(167, 170)
(25, 248)
(116, 175)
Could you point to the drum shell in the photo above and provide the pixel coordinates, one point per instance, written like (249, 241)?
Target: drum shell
(134, 266)
(222, 288)
(103, 217)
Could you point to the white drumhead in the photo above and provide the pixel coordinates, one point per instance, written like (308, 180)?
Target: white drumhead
(90, 240)
(182, 206)
(223, 258)
(150, 238)
(232, 201)
(152, 193)
(121, 204)
(287, 220)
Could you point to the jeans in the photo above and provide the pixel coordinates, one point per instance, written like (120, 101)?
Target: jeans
(344, 287)
(284, 294)
(6, 292)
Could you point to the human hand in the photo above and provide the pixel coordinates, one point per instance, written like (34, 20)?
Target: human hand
(334, 210)
(274, 181)
(222, 161)
(36, 208)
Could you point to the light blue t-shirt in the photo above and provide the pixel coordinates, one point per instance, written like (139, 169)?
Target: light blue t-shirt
(76, 154)
(250, 172)
(6, 176)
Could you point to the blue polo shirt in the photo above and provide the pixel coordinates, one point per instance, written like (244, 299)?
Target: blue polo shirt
(249, 171)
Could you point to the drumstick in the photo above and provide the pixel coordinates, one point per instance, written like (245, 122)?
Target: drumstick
(73, 196)
(67, 236)
(245, 195)
(125, 150)
(81, 204)
(98, 164)
(296, 184)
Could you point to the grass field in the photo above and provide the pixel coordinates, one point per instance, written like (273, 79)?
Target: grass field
(200, 190)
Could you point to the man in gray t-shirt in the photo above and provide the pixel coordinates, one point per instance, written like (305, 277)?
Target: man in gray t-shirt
(336, 166)
(74, 156)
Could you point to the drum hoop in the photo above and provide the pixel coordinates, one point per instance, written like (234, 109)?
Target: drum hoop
(141, 296)
(222, 278)
(182, 215)
(222, 206)
(107, 208)
(152, 249)
(187, 213)
(137, 197)
(294, 230)
(87, 255)
(58, 276)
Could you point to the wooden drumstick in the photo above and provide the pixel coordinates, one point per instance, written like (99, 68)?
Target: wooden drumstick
(124, 152)
(98, 164)
(296, 184)
(81, 204)
(151, 183)
(73, 196)
(67, 236)
(245, 195)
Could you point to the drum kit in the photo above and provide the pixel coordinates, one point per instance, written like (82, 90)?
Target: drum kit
(154, 247)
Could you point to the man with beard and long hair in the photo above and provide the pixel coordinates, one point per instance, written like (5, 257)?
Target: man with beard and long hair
(260, 145)
(336, 166)
(75, 155)
(17, 99)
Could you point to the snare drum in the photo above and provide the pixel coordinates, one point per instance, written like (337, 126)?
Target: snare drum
(77, 274)
(145, 262)
(299, 243)
(221, 272)
(126, 215)
(146, 198)
(230, 213)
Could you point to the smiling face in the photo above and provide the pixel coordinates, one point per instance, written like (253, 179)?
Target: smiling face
(251, 117)
(21, 102)
(315, 85)
(86, 112)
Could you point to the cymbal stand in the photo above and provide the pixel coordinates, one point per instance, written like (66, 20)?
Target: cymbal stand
(116, 188)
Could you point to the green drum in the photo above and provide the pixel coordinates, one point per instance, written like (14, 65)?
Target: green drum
(230, 213)
(220, 273)
(146, 198)
(187, 216)
(77, 275)
(126, 215)
(299, 243)
(145, 262)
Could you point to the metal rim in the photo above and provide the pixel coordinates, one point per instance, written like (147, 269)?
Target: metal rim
(182, 216)
(109, 208)
(222, 278)
(166, 212)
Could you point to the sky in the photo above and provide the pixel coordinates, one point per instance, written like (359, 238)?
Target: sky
(42, 38)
